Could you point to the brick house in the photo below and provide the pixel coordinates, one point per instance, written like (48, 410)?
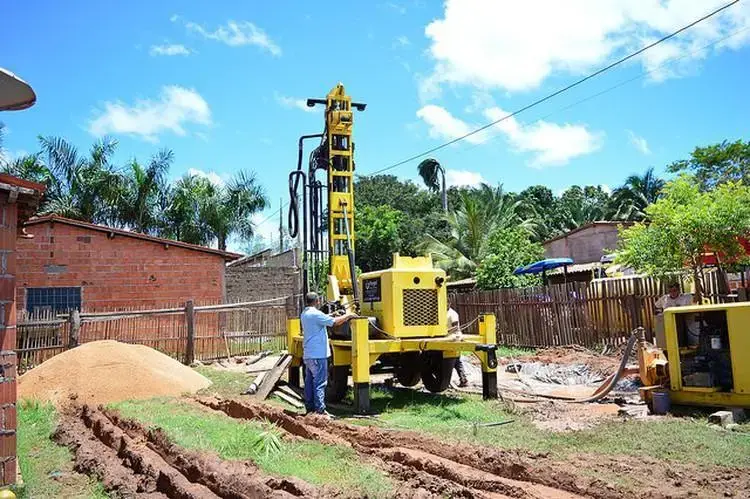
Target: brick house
(264, 276)
(74, 264)
(18, 201)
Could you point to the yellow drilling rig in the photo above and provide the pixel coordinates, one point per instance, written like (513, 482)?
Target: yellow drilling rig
(402, 311)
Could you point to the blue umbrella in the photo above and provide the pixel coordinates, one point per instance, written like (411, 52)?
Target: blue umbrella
(543, 266)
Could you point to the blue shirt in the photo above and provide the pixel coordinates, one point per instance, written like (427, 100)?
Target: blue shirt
(314, 333)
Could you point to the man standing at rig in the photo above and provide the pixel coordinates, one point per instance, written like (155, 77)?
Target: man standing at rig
(316, 351)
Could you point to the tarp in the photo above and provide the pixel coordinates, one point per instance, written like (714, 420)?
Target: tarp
(543, 265)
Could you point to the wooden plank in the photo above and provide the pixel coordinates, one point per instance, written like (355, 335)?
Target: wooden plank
(273, 376)
(288, 399)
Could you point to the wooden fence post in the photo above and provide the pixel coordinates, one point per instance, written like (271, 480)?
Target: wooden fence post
(190, 322)
(74, 319)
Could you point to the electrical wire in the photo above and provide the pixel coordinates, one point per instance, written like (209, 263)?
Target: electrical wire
(559, 91)
(618, 85)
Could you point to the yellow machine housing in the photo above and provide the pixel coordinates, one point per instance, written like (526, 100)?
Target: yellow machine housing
(409, 300)
(707, 347)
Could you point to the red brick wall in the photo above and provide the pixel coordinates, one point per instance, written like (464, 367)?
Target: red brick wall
(8, 214)
(116, 273)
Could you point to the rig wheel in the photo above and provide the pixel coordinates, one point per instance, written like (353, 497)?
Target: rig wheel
(407, 370)
(436, 371)
(338, 379)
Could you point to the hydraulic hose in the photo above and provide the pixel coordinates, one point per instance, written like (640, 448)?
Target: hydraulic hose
(293, 216)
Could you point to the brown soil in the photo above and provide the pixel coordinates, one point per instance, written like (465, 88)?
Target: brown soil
(101, 372)
(434, 466)
(426, 466)
(131, 461)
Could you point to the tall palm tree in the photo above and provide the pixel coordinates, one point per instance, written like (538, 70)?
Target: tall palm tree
(480, 212)
(231, 208)
(429, 169)
(636, 193)
(30, 167)
(90, 187)
(181, 205)
(143, 188)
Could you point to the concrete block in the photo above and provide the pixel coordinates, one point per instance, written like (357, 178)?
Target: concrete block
(721, 418)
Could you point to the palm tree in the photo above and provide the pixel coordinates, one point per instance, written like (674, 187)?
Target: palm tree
(143, 189)
(181, 206)
(429, 169)
(230, 209)
(30, 167)
(636, 193)
(89, 186)
(480, 212)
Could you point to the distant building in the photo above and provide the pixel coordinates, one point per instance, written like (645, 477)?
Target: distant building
(264, 276)
(586, 245)
(74, 264)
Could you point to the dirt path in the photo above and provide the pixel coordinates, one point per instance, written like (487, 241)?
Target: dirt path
(437, 467)
(133, 462)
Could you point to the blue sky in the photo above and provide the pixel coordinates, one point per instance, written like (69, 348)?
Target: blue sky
(222, 83)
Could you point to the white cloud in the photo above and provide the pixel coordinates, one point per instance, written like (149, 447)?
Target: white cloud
(463, 178)
(551, 144)
(169, 50)
(508, 45)
(639, 143)
(444, 126)
(401, 41)
(211, 176)
(605, 188)
(399, 9)
(293, 103)
(175, 108)
(237, 34)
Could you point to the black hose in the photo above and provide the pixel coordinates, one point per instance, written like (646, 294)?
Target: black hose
(293, 216)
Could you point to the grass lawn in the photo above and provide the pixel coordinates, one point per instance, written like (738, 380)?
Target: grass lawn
(195, 428)
(46, 467)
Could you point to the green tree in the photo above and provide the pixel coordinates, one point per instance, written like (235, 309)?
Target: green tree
(142, 189)
(433, 176)
(582, 205)
(228, 210)
(182, 205)
(480, 212)
(508, 249)
(717, 164)
(378, 236)
(684, 224)
(638, 191)
(90, 187)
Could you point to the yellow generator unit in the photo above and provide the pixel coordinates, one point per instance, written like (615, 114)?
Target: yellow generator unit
(707, 348)
(408, 300)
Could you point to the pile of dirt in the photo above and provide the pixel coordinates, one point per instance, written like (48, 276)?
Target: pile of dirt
(101, 372)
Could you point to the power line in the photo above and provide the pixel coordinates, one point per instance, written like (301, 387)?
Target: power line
(560, 91)
(621, 83)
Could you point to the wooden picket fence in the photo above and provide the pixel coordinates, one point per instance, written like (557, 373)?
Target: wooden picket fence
(593, 314)
(187, 332)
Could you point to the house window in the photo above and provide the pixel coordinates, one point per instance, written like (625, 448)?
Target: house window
(55, 300)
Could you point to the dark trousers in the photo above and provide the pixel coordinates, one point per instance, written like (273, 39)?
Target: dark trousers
(459, 366)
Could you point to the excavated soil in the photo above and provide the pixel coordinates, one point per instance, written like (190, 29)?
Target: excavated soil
(134, 462)
(572, 355)
(107, 371)
(428, 467)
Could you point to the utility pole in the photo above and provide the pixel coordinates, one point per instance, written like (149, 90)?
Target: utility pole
(281, 226)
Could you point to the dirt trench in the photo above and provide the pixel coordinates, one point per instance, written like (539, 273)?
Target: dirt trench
(429, 464)
(134, 462)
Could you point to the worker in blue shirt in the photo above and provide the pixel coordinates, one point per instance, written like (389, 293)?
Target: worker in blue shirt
(316, 352)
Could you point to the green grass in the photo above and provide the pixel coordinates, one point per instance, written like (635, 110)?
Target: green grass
(46, 467)
(194, 428)
(505, 351)
(682, 439)
(225, 383)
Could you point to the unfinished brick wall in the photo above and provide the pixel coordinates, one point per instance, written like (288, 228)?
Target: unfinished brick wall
(246, 283)
(116, 272)
(8, 216)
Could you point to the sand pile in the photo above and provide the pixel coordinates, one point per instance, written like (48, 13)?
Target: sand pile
(108, 371)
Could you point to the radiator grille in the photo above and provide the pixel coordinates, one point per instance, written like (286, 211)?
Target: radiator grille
(420, 307)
